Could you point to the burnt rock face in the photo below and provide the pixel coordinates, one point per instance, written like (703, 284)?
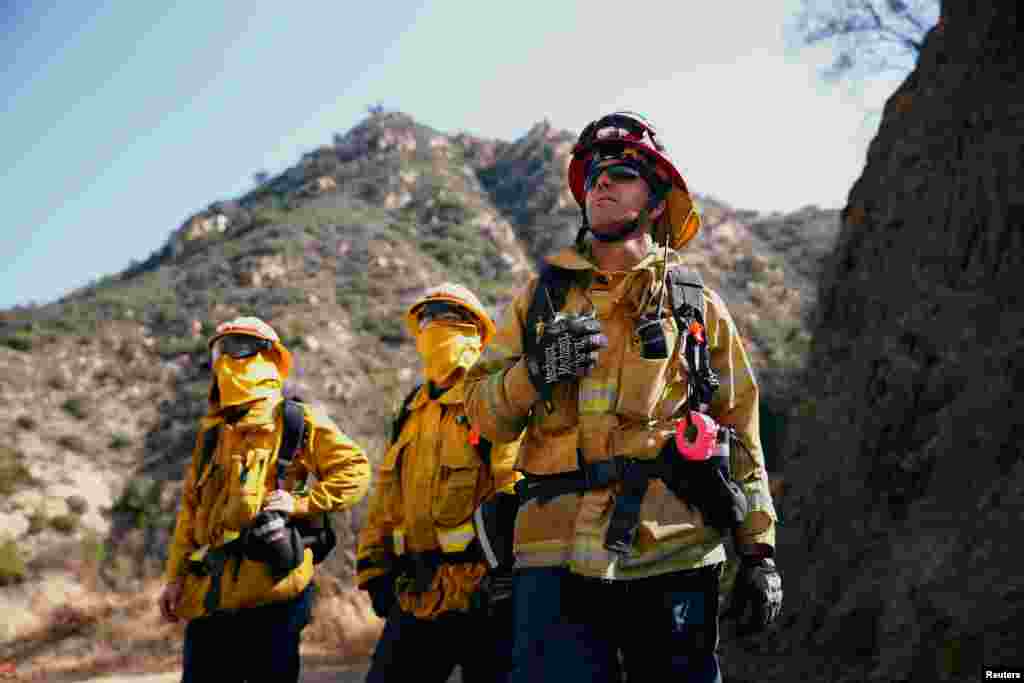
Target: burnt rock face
(900, 540)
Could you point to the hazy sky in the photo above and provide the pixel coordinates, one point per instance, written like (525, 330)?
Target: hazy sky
(120, 121)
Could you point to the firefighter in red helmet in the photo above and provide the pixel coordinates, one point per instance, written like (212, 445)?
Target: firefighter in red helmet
(637, 408)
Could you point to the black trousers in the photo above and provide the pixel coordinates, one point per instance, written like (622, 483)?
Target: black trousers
(428, 650)
(255, 645)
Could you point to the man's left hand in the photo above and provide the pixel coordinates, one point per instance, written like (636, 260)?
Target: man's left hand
(279, 501)
(756, 595)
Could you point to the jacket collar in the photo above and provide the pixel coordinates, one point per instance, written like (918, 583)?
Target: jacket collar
(453, 396)
(262, 414)
(572, 259)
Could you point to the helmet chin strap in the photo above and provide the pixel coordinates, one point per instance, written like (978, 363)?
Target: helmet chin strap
(641, 221)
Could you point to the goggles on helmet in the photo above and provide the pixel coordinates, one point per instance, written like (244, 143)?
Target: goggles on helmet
(239, 346)
(443, 311)
(620, 127)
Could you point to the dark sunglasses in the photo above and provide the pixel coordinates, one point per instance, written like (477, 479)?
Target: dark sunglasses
(617, 173)
(239, 346)
(443, 311)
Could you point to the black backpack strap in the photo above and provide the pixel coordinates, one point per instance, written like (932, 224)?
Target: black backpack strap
(686, 293)
(483, 449)
(551, 292)
(403, 414)
(210, 438)
(291, 441)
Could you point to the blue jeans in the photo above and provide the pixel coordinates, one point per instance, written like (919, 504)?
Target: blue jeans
(569, 628)
(251, 645)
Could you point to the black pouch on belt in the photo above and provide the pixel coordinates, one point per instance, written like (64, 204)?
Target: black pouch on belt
(273, 541)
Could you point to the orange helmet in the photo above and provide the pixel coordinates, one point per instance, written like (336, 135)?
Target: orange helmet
(625, 133)
(254, 327)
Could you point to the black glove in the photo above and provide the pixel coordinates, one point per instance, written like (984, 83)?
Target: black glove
(706, 486)
(493, 593)
(499, 585)
(382, 594)
(756, 595)
(566, 349)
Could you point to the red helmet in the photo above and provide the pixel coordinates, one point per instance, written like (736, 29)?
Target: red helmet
(614, 133)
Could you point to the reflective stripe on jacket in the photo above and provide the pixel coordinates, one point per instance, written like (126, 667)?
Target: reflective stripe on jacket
(222, 500)
(431, 480)
(622, 408)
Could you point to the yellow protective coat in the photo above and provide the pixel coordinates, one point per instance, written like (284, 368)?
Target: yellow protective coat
(231, 490)
(430, 481)
(624, 407)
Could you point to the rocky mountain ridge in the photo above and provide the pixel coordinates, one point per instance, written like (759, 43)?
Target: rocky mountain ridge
(102, 389)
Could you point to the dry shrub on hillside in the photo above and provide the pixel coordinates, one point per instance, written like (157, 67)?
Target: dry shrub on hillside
(80, 632)
(76, 630)
(344, 624)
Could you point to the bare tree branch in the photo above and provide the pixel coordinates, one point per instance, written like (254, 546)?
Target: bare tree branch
(869, 7)
(870, 36)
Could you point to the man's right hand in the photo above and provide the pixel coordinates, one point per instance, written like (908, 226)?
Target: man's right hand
(169, 598)
(566, 350)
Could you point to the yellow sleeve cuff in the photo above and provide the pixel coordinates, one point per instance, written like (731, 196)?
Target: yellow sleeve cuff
(519, 390)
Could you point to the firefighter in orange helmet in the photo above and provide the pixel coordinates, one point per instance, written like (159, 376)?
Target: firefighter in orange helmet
(435, 553)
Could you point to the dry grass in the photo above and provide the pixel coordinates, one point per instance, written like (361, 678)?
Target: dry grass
(344, 625)
(94, 633)
(101, 633)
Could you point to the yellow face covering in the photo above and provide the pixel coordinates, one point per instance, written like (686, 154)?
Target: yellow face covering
(448, 350)
(241, 380)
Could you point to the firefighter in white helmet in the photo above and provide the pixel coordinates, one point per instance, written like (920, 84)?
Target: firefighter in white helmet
(250, 530)
(435, 553)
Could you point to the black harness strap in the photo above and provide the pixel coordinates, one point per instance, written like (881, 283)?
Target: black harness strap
(594, 475)
(421, 567)
(210, 438)
(403, 414)
(686, 295)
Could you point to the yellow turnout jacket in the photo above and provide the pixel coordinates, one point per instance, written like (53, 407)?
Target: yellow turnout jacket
(430, 482)
(222, 499)
(626, 406)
